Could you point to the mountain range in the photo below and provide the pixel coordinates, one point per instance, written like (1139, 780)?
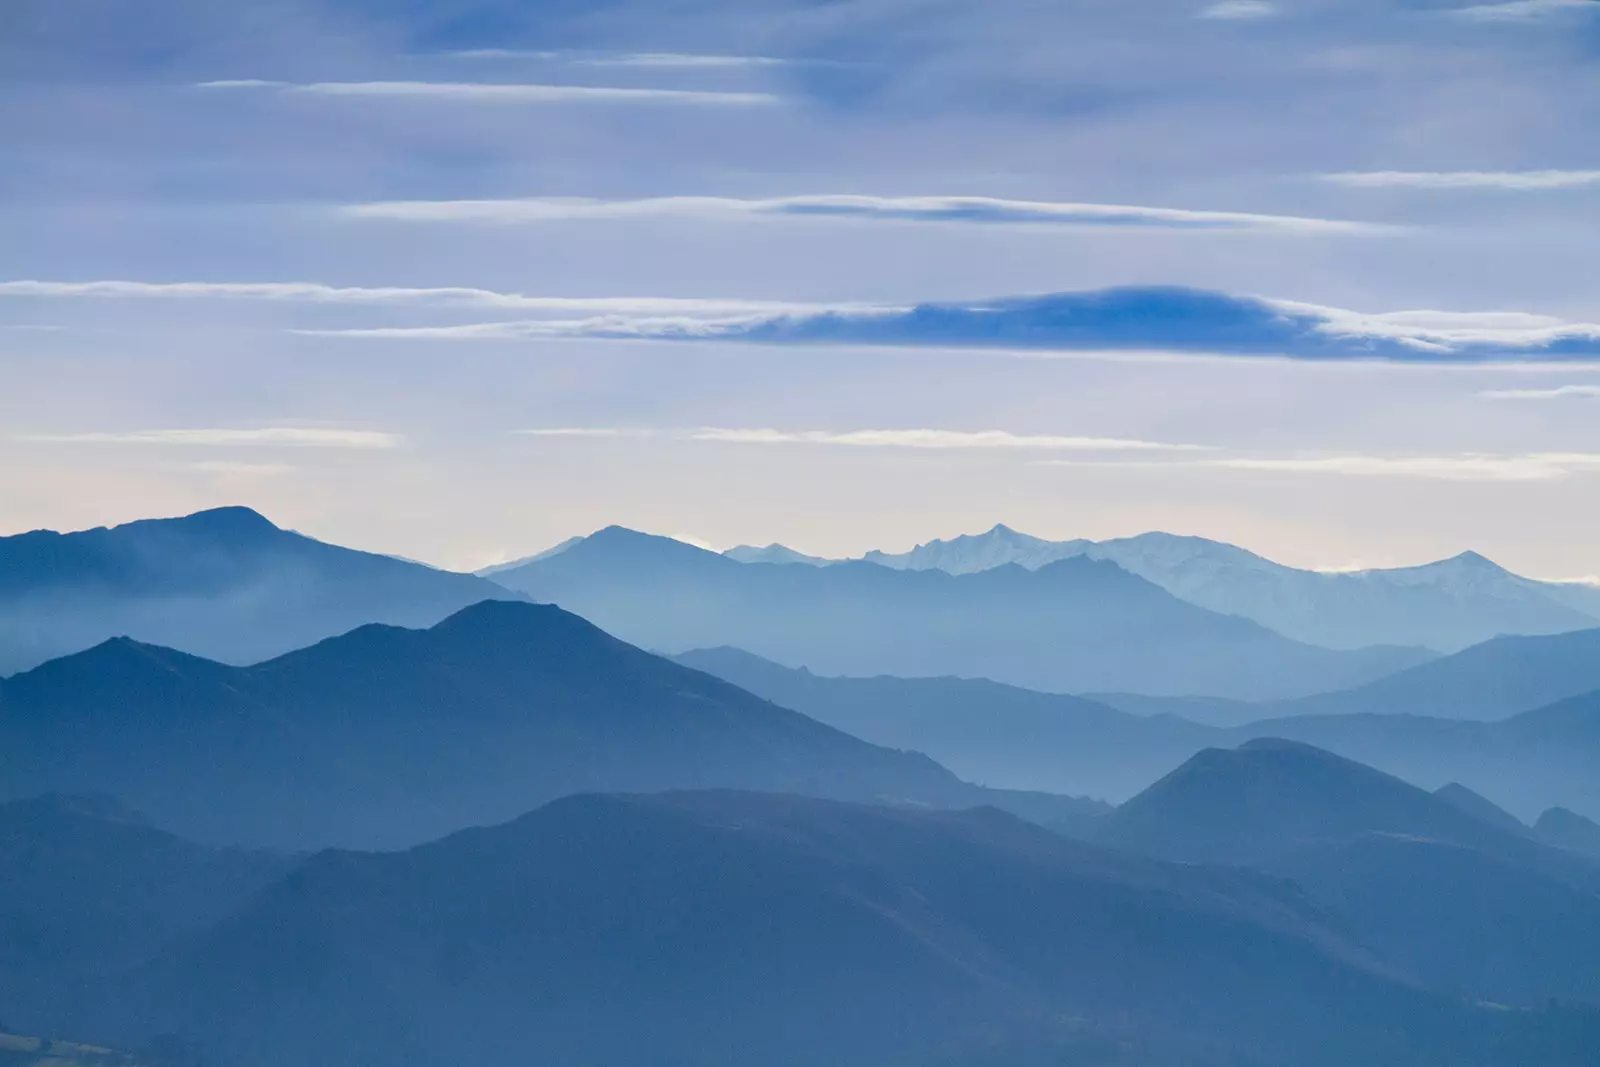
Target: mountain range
(387, 736)
(226, 584)
(1446, 606)
(1015, 738)
(1075, 625)
(780, 931)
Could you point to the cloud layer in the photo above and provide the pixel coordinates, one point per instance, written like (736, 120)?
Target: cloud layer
(1139, 318)
(444, 297)
(500, 92)
(1122, 319)
(268, 437)
(1099, 452)
(946, 209)
(1515, 180)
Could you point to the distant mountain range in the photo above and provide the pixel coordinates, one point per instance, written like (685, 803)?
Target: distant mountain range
(723, 928)
(1495, 680)
(1075, 625)
(1446, 606)
(387, 736)
(225, 584)
(1016, 738)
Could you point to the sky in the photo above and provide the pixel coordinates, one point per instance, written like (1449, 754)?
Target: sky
(459, 279)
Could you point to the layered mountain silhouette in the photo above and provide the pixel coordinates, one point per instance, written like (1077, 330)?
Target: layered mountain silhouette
(716, 928)
(1471, 906)
(1447, 605)
(1494, 680)
(1567, 829)
(226, 584)
(388, 736)
(984, 731)
(1021, 739)
(1076, 625)
(1480, 807)
(90, 889)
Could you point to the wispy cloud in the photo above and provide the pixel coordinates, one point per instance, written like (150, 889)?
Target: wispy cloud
(1114, 452)
(1473, 468)
(1241, 10)
(1529, 467)
(449, 296)
(946, 209)
(1516, 180)
(268, 437)
(665, 60)
(499, 92)
(1523, 10)
(942, 440)
(1560, 392)
(937, 440)
(680, 60)
(1164, 319)
(1126, 319)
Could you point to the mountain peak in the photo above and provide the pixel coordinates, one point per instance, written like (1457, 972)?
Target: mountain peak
(233, 520)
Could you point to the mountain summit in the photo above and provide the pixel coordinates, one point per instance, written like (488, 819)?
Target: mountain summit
(226, 584)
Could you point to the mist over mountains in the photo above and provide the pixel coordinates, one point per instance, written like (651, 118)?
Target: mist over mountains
(226, 584)
(511, 833)
(1076, 625)
(1112, 747)
(1446, 605)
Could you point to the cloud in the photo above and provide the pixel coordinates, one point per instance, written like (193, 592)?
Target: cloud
(1529, 467)
(949, 209)
(1240, 10)
(316, 293)
(1158, 455)
(1517, 180)
(1522, 10)
(1560, 392)
(1125, 319)
(269, 437)
(681, 60)
(1474, 468)
(666, 60)
(1139, 318)
(937, 439)
(498, 92)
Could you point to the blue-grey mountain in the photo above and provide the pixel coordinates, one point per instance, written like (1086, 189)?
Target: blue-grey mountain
(387, 736)
(1075, 625)
(777, 931)
(225, 584)
(1019, 739)
(1447, 605)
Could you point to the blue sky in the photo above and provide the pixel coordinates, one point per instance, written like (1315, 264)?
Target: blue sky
(458, 280)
